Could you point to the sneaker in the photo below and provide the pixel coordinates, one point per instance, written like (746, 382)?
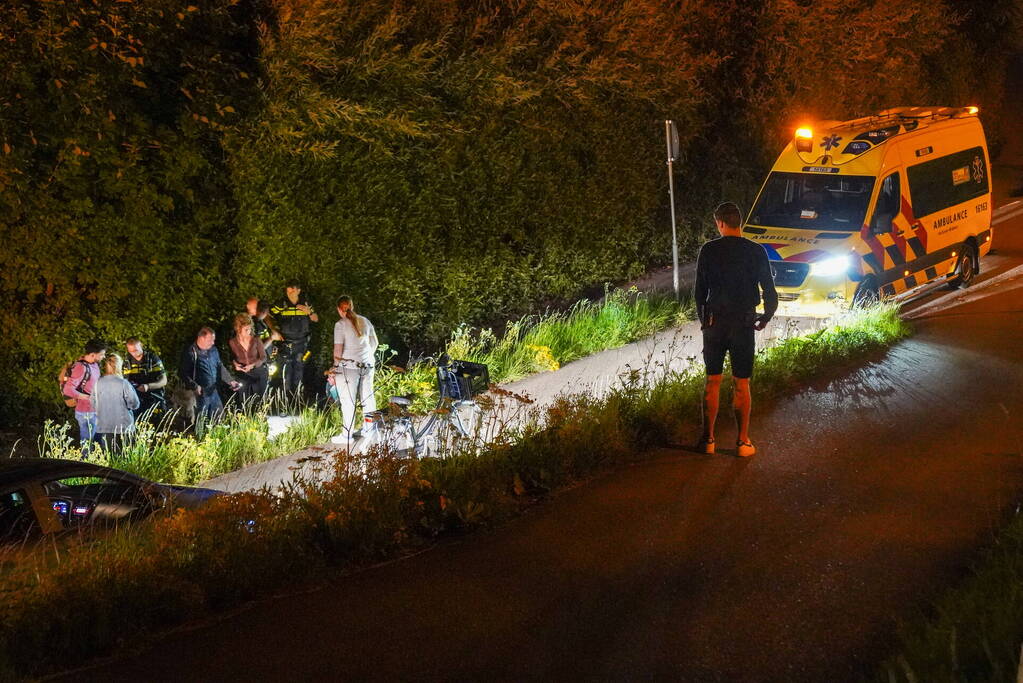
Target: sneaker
(745, 449)
(705, 446)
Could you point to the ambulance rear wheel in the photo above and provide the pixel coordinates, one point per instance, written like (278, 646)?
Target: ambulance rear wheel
(867, 294)
(966, 268)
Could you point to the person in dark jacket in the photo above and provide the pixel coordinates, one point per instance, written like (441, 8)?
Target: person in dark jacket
(200, 369)
(293, 315)
(732, 273)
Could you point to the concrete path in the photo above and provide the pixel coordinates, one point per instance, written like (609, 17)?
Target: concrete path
(671, 350)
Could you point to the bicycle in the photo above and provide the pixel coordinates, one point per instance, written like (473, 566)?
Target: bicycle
(454, 420)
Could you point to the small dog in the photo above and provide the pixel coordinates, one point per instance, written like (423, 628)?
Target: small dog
(182, 401)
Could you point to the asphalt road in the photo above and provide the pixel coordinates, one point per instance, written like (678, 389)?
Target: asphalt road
(870, 495)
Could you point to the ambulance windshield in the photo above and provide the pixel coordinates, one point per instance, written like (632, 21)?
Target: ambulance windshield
(814, 201)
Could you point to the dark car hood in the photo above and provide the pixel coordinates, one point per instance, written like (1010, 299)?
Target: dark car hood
(190, 496)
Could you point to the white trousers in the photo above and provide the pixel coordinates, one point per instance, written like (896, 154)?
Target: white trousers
(349, 390)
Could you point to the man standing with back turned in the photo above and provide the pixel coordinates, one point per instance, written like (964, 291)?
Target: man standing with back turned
(731, 272)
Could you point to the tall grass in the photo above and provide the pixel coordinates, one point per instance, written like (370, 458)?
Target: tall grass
(184, 564)
(539, 343)
(234, 440)
(975, 631)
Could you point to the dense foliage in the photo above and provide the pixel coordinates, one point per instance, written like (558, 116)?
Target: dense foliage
(444, 161)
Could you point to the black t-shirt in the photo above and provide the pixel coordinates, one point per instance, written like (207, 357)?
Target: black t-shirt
(731, 272)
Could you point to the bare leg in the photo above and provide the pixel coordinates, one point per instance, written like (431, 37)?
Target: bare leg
(711, 399)
(741, 403)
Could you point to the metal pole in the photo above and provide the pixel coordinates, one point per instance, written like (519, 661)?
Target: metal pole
(671, 194)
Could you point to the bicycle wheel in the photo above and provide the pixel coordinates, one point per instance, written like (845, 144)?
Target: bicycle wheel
(454, 431)
(395, 436)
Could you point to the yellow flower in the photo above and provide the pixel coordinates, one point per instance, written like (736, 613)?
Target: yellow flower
(543, 358)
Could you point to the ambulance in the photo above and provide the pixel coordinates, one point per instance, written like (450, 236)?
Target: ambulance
(875, 208)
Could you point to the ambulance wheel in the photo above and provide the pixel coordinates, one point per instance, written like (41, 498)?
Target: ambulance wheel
(966, 268)
(867, 294)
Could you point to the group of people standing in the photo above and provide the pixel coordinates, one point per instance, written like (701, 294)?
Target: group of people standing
(107, 403)
(108, 398)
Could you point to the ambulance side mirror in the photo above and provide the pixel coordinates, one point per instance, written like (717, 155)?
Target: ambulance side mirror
(882, 224)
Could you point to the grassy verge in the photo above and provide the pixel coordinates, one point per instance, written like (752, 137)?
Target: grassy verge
(183, 565)
(546, 342)
(529, 345)
(975, 631)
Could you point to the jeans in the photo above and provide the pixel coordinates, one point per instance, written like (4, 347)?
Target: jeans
(208, 403)
(86, 431)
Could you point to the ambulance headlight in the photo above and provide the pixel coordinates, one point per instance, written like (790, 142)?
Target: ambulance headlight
(836, 265)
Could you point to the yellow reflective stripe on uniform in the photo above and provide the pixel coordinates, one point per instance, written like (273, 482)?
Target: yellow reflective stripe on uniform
(292, 311)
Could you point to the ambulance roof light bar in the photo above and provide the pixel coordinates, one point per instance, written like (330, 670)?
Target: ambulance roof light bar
(804, 139)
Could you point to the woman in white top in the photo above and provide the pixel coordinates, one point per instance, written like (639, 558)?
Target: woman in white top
(355, 345)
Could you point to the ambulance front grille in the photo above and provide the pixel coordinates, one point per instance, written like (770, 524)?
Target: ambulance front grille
(789, 274)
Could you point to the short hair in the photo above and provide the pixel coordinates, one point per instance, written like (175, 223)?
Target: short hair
(729, 214)
(95, 346)
(113, 364)
(293, 283)
(132, 340)
(242, 320)
(205, 331)
(262, 307)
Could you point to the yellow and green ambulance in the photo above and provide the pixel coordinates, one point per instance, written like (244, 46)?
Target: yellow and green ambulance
(875, 207)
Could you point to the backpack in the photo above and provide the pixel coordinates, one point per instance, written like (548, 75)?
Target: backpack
(65, 375)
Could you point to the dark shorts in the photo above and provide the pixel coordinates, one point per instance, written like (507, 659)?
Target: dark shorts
(734, 337)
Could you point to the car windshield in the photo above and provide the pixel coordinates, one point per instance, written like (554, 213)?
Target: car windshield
(814, 201)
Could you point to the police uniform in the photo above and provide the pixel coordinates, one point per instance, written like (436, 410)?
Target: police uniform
(146, 370)
(293, 325)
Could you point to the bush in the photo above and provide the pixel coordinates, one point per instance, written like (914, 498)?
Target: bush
(446, 164)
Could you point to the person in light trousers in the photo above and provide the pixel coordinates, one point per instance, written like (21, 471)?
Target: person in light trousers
(355, 345)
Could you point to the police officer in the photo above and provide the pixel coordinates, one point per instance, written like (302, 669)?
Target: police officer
(293, 315)
(144, 370)
(262, 325)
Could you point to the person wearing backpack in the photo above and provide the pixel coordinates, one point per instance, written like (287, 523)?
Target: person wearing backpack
(77, 388)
